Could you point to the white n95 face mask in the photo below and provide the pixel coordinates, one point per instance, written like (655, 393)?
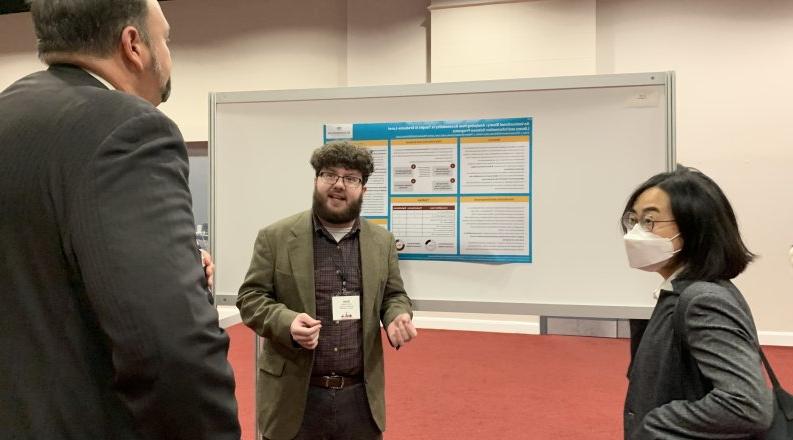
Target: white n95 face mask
(647, 251)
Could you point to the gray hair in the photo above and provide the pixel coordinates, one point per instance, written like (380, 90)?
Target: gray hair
(90, 27)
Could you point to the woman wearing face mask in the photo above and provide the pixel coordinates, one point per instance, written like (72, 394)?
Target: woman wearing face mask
(706, 383)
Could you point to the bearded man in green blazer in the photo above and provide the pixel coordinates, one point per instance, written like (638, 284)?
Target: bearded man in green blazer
(319, 285)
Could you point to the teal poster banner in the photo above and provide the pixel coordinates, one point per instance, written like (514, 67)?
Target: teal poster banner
(456, 190)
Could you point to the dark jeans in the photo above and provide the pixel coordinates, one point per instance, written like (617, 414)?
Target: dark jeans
(338, 415)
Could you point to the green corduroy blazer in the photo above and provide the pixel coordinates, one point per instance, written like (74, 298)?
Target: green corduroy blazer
(280, 284)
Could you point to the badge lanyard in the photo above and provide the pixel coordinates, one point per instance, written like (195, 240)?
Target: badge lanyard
(345, 305)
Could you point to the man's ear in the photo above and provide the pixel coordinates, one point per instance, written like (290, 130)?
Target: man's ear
(132, 48)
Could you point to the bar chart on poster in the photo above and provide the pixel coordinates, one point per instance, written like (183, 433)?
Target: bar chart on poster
(503, 196)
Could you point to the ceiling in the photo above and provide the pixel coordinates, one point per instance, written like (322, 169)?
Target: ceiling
(11, 6)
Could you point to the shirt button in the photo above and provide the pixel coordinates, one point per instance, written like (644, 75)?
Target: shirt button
(335, 348)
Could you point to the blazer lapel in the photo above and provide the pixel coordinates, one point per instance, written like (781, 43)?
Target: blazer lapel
(369, 271)
(301, 260)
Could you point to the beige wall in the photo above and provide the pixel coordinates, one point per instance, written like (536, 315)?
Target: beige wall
(387, 42)
(17, 48)
(733, 58)
(237, 45)
(523, 39)
(734, 66)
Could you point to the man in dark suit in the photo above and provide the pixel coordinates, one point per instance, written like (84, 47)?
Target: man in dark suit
(106, 330)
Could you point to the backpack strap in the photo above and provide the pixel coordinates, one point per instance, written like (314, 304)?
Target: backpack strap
(784, 400)
(695, 384)
(769, 370)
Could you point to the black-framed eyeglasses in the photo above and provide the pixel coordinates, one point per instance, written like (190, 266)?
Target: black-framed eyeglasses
(630, 219)
(331, 179)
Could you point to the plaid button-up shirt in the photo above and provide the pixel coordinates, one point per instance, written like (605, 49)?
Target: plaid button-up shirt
(337, 268)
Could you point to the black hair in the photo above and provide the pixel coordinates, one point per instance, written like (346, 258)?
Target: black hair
(91, 27)
(343, 154)
(712, 245)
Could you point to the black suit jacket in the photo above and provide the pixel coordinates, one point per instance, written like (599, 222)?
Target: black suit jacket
(106, 332)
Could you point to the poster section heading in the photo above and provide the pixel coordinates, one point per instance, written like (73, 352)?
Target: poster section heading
(456, 190)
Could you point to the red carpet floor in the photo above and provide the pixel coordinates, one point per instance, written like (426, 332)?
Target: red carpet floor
(473, 385)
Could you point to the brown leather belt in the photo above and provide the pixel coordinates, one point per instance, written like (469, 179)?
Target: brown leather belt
(334, 382)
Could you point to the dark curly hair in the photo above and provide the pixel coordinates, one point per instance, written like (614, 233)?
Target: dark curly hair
(343, 154)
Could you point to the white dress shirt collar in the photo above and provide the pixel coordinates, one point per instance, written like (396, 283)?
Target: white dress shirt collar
(100, 79)
(667, 283)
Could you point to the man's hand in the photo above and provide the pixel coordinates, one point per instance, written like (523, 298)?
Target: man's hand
(209, 268)
(305, 331)
(401, 330)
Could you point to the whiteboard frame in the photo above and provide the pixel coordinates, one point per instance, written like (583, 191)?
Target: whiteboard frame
(664, 78)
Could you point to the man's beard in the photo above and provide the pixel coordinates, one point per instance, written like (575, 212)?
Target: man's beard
(347, 215)
(165, 89)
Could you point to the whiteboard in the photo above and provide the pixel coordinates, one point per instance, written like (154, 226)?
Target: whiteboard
(595, 138)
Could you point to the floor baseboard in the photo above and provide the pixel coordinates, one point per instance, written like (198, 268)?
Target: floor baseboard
(477, 325)
(784, 339)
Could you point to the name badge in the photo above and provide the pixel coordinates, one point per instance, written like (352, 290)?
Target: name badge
(346, 307)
